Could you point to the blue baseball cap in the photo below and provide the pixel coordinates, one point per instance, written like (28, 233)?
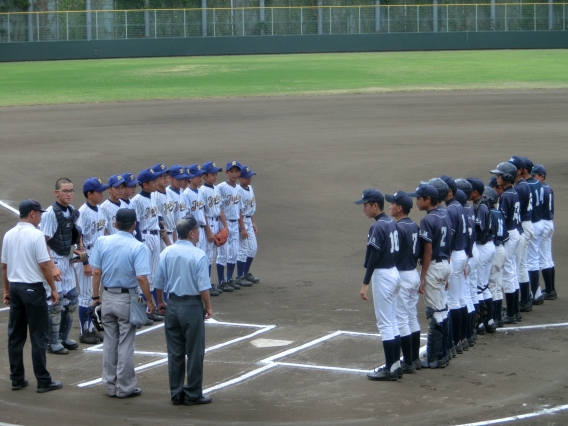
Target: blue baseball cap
(460, 197)
(178, 172)
(116, 180)
(451, 183)
(211, 168)
(195, 170)
(425, 190)
(232, 164)
(400, 198)
(246, 172)
(148, 175)
(538, 169)
(160, 168)
(518, 162)
(94, 184)
(371, 196)
(130, 179)
(476, 185)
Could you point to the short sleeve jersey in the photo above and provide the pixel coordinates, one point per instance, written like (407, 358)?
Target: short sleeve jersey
(48, 225)
(547, 202)
(500, 234)
(92, 223)
(230, 200)
(510, 207)
(435, 228)
(457, 215)
(483, 222)
(248, 202)
(526, 205)
(409, 246)
(195, 204)
(383, 236)
(212, 200)
(536, 199)
(165, 210)
(109, 209)
(146, 212)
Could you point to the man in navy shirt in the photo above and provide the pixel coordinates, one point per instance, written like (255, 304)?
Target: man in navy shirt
(435, 236)
(380, 262)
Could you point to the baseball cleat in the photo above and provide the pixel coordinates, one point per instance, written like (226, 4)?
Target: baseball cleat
(550, 296)
(519, 316)
(465, 345)
(250, 277)
(526, 307)
(382, 374)
(459, 348)
(408, 369)
(100, 336)
(62, 351)
(70, 344)
(417, 364)
(509, 320)
(233, 284)
(225, 287)
(538, 301)
(89, 338)
(213, 292)
(243, 282)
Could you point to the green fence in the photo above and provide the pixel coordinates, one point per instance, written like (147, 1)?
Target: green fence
(252, 21)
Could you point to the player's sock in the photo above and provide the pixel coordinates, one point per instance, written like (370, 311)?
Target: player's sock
(397, 344)
(456, 316)
(552, 278)
(390, 357)
(524, 289)
(241, 266)
(220, 272)
(230, 271)
(546, 279)
(209, 271)
(445, 337)
(464, 322)
(510, 299)
(496, 310)
(534, 282)
(450, 333)
(516, 301)
(415, 345)
(479, 320)
(406, 346)
(83, 314)
(489, 317)
(249, 262)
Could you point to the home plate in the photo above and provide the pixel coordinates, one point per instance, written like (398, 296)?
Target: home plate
(270, 343)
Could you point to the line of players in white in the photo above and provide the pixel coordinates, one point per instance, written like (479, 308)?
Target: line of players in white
(472, 256)
(167, 195)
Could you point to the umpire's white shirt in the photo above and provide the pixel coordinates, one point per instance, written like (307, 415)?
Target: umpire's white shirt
(23, 249)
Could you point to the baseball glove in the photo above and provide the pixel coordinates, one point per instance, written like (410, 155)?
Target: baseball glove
(96, 314)
(221, 237)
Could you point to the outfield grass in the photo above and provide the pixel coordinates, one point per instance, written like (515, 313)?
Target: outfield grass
(59, 82)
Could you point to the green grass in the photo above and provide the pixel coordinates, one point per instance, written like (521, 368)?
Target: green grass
(60, 82)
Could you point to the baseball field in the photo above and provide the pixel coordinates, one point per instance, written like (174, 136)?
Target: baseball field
(294, 349)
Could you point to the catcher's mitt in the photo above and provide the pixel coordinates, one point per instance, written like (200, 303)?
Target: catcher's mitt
(95, 313)
(221, 237)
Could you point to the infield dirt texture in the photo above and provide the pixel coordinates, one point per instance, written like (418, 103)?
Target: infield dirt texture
(313, 156)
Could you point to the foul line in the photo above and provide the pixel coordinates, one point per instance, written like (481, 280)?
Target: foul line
(9, 207)
(532, 327)
(520, 416)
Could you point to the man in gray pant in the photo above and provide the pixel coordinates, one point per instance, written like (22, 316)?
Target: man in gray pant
(120, 262)
(183, 273)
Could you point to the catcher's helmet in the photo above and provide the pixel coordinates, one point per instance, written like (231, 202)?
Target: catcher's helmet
(465, 186)
(507, 171)
(441, 187)
(96, 316)
(490, 195)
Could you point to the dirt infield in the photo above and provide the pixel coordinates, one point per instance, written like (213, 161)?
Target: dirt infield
(313, 156)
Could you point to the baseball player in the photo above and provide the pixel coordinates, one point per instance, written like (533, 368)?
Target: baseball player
(174, 193)
(510, 207)
(116, 187)
(230, 203)
(247, 243)
(458, 261)
(58, 224)
(93, 225)
(408, 255)
(435, 238)
(195, 201)
(165, 210)
(500, 235)
(533, 257)
(380, 264)
(130, 189)
(215, 220)
(545, 249)
(486, 253)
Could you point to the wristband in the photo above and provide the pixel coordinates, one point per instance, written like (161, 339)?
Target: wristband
(95, 297)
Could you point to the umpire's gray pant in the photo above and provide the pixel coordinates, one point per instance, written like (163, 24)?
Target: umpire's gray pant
(185, 335)
(118, 345)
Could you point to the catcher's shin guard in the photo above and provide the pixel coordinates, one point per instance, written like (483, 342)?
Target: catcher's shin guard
(54, 326)
(68, 313)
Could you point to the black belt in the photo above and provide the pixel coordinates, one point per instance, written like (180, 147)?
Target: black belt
(154, 232)
(176, 297)
(202, 226)
(232, 220)
(213, 218)
(170, 233)
(122, 290)
(13, 282)
(437, 260)
(248, 217)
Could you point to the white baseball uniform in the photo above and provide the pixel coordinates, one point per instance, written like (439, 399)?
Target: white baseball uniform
(195, 202)
(248, 246)
(109, 209)
(147, 218)
(212, 210)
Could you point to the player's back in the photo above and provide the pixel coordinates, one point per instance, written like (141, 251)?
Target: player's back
(409, 246)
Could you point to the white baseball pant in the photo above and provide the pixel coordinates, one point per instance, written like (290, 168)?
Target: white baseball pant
(496, 275)
(533, 255)
(456, 293)
(211, 251)
(435, 288)
(386, 286)
(486, 254)
(153, 243)
(227, 253)
(85, 284)
(522, 247)
(248, 246)
(406, 313)
(545, 249)
(510, 282)
(471, 278)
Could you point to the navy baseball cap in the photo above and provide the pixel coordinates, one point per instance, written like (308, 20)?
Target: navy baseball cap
(518, 162)
(94, 184)
(371, 196)
(232, 164)
(476, 185)
(538, 169)
(493, 182)
(160, 168)
(148, 175)
(460, 197)
(450, 182)
(211, 168)
(28, 206)
(400, 198)
(425, 190)
(116, 180)
(195, 170)
(125, 216)
(130, 179)
(246, 172)
(178, 172)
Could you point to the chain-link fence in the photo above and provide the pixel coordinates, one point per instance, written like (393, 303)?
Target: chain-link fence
(250, 21)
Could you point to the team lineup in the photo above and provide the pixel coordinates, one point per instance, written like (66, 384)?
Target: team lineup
(470, 258)
(167, 195)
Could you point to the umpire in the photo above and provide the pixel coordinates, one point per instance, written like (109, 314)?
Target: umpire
(183, 274)
(25, 265)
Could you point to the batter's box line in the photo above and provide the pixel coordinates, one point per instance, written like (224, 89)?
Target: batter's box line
(164, 360)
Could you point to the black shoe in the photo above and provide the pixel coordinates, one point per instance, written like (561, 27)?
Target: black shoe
(178, 399)
(519, 316)
(154, 317)
(538, 301)
(250, 277)
(203, 400)
(62, 351)
(54, 385)
(243, 282)
(509, 320)
(232, 283)
(135, 392)
(525, 307)
(225, 287)
(550, 296)
(384, 375)
(491, 328)
(213, 292)
(19, 384)
(99, 336)
(216, 288)
(481, 329)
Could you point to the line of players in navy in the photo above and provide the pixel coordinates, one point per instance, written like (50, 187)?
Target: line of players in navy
(167, 195)
(470, 257)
